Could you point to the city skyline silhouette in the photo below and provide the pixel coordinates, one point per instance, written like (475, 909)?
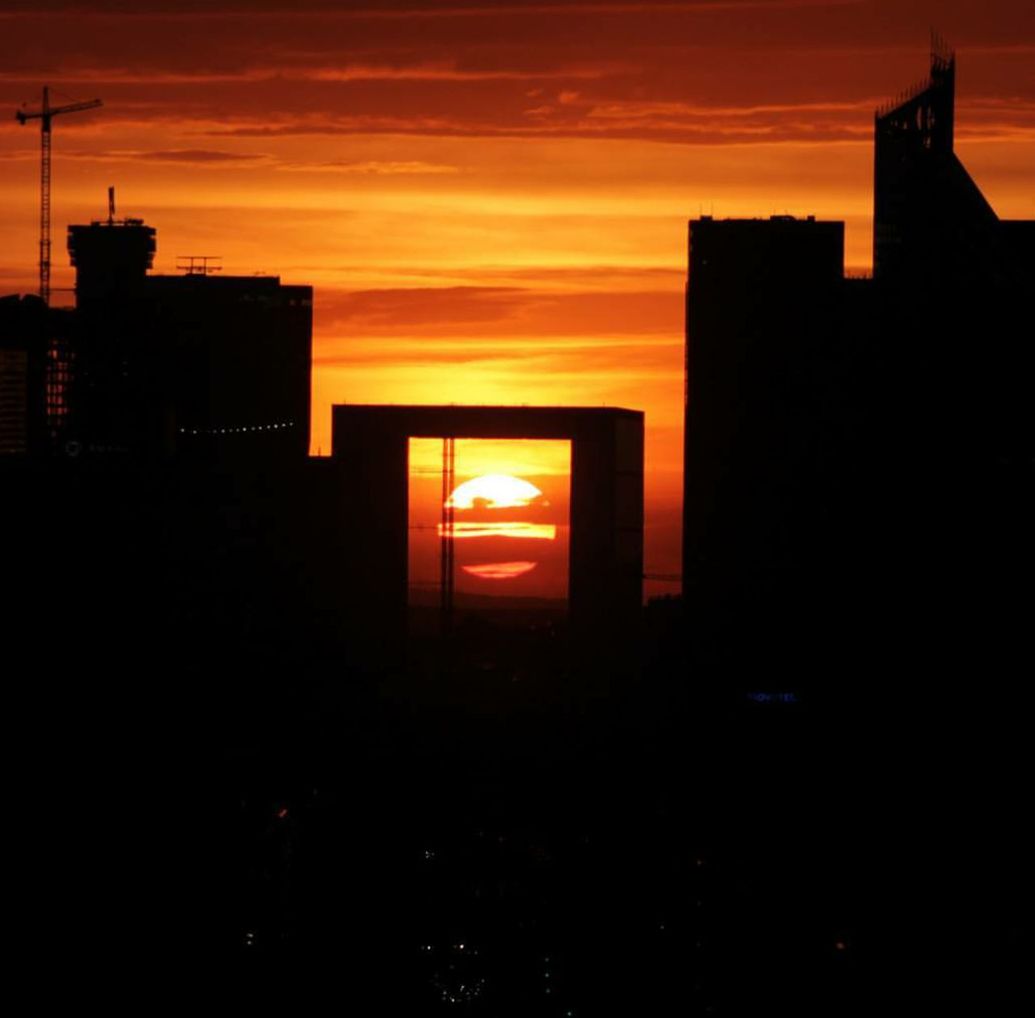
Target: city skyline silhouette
(746, 735)
(413, 187)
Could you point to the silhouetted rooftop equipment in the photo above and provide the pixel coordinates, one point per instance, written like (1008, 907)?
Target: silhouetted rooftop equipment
(943, 61)
(112, 219)
(198, 265)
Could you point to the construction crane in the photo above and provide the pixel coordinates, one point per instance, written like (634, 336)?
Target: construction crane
(44, 115)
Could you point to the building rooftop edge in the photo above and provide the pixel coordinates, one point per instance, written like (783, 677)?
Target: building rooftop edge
(472, 407)
(764, 219)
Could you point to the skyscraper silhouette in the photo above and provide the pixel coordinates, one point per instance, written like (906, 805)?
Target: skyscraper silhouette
(763, 307)
(857, 531)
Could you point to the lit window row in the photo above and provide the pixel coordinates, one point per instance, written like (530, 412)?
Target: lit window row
(236, 431)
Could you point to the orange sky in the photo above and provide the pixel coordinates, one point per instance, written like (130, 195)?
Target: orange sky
(490, 201)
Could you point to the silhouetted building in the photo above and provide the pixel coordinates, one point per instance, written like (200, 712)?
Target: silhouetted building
(23, 351)
(194, 364)
(112, 258)
(370, 445)
(952, 283)
(33, 374)
(761, 305)
(952, 291)
(762, 316)
(858, 541)
(849, 443)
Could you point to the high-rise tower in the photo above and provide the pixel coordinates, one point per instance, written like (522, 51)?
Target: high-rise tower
(762, 315)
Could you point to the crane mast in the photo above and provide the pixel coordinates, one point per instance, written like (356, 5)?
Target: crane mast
(58, 368)
(45, 116)
(45, 201)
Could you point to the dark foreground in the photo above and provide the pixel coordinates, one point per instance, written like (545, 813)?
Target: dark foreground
(209, 784)
(499, 847)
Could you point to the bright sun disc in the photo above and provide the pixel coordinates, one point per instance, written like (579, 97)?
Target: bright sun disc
(498, 491)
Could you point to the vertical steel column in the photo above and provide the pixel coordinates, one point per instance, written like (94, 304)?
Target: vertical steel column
(446, 530)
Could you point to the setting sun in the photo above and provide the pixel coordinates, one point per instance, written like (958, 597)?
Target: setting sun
(504, 514)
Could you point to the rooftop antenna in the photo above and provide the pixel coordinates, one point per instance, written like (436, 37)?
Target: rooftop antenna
(198, 265)
(941, 55)
(45, 114)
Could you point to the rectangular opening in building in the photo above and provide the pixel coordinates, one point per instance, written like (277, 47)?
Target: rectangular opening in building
(489, 530)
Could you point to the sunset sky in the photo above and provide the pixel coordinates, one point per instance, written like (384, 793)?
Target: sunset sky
(490, 200)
